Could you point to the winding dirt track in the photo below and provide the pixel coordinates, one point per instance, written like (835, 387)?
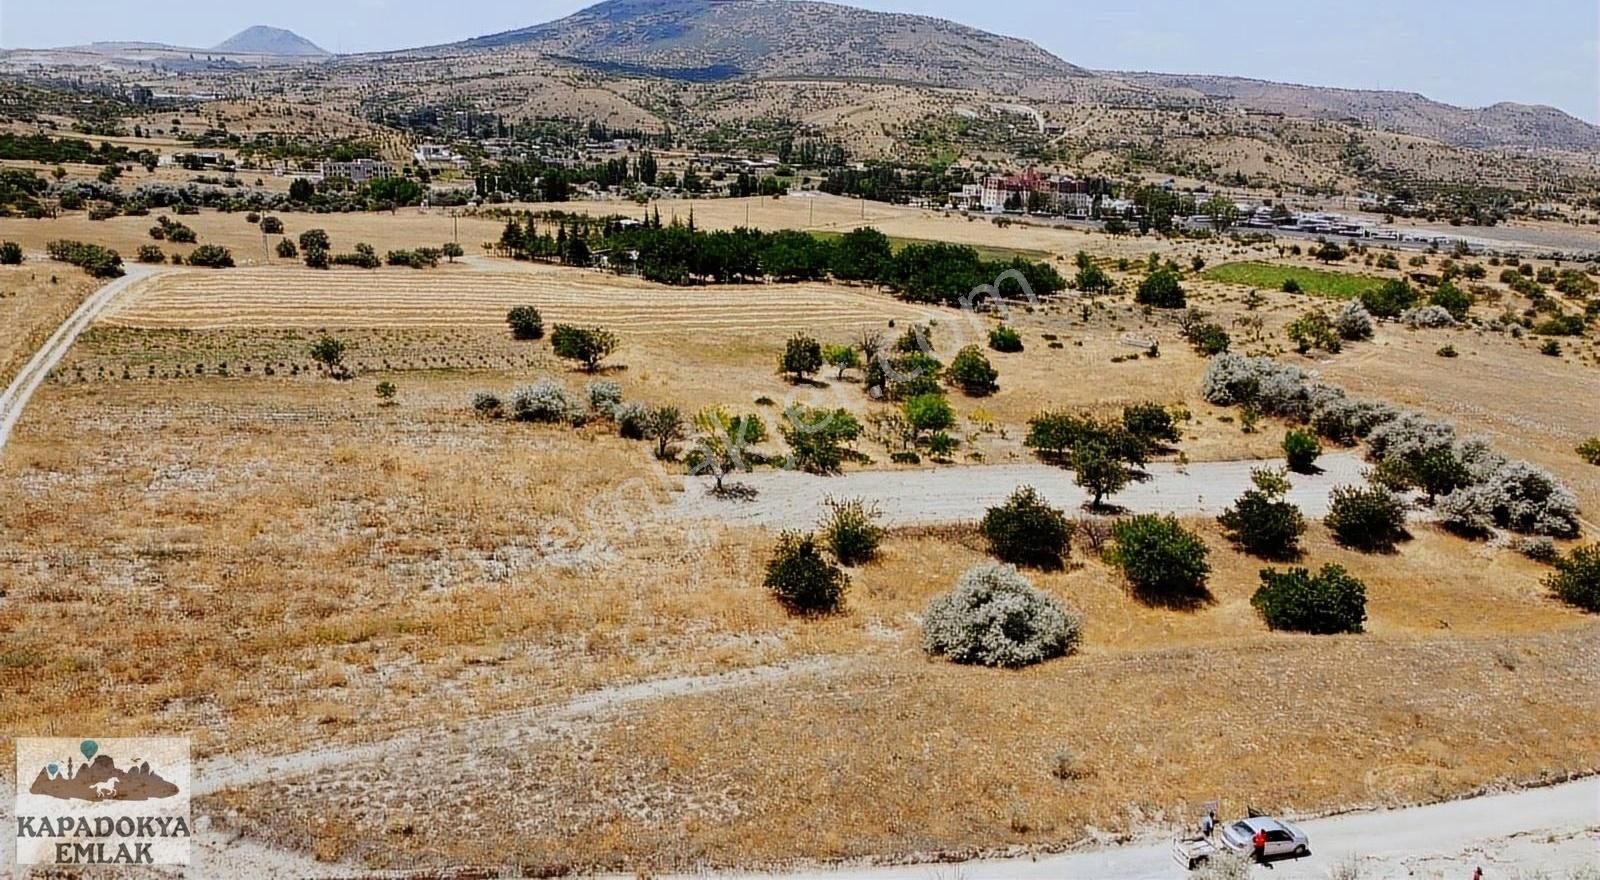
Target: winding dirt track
(33, 374)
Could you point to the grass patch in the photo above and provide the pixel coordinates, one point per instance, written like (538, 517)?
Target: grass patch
(1317, 282)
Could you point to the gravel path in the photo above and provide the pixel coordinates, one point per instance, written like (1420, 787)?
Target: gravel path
(1554, 830)
(789, 499)
(33, 374)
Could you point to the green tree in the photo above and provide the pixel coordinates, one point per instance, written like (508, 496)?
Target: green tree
(1328, 602)
(1151, 422)
(801, 357)
(841, 357)
(329, 352)
(862, 255)
(1026, 530)
(972, 373)
(1162, 290)
(387, 392)
(1005, 340)
(10, 254)
(589, 346)
(802, 579)
(1367, 519)
(1222, 211)
(1091, 278)
(452, 250)
(315, 239)
(1099, 471)
(664, 425)
(927, 413)
(525, 323)
(1261, 522)
(1164, 563)
(817, 437)
(1576, 579)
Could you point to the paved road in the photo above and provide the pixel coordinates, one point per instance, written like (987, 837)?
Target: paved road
(789, 499)
(33, 374)
(1552, 830)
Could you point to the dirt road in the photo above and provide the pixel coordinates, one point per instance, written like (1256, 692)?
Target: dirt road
(789, 499)
(1545, 832)
(33, 374)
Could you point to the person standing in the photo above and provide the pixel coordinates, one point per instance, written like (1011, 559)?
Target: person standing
(1208, 823)
(1260, 843)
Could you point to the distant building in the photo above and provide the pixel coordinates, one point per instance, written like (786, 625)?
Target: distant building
(437, 156)
(358, 170)
(1059, 192)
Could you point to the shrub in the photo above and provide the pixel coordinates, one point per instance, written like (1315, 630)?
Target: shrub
(586, 345)
(1005, 340)
(329, 352)
(817, 437)
(1590, 450)
(1389, 301)
(1550, 348)
(1268, 386)
(665, 425)
(1428, 317)
(1291, 286)
(1328, 602)
(995, 617)
(10, 254)
(1150, 422)
(1208, 339)
(488, 405)
(1576, 579)
(525, 323)
(632, 421)
(545, 401)
(1346, 421)
(1302, 450)
(286, 249)
(1162, 290)
(1452, 299)
(315, 240)
(841, 357)
(1367, 519)
(802, 579)
(1528, 500)
(98, 261)
(149, 253)
(604, 396)
(1353, 322)
(1262, 523)
(1313, 330)
(851, 530)
(927, 413)
(387, 391)
(271, 225)
(316, 258)
(801, 357)
(1541, 550)
(972, 373)
(1165, 563)
(1027, 531)
(212, 256)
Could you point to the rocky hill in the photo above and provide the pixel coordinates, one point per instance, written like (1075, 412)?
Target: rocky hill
(709, 40)
(1501, 125)
(263, 40)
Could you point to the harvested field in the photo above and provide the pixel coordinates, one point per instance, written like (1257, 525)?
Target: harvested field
(460, 297)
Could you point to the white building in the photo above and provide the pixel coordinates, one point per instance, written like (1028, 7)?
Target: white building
(358, 170)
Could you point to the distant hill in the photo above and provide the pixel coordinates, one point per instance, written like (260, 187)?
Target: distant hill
(263, 40)
(709, 40)
(1501, 125)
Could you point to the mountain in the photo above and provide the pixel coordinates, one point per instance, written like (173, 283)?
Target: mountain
(711, 40)
(263, 40)
(1501, 125)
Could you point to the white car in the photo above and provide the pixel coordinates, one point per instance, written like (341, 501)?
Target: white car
(1284, 841)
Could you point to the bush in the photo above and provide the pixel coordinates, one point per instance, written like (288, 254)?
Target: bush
(286, 249)
(149, 253)
(1314, 330)
(1576, 579)
(1389, 301)
(802, 580)
(212, 256)
(1151, 423)
(927, 413)
(315, 240)
(1590, 450)
(586, 345)
(1262, 523)
(98, 261)
(1353, 322)
(1263, 383)
(841, 357)
(1452, 299)
(1528, 500)
(995, 617)
(1291, 286)
(525, 323)
(1208, 339)
(1027, 531)
(1302, 450)
(1165, 563)
(604, 396)
(488, 405)
(1428, 317)
(1367, 519)
(633, 421)
(271, 225)
(316, 258)
(801, 357)
(1162, 290)
(545, 401)
(972, 373)
(1331, 601)
(851, 530)
(816, 437)
(10, 254)
(1005, 340)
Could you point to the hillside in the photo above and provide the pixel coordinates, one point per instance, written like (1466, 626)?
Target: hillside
(708, 40)
(263, 40)
(1500, 125)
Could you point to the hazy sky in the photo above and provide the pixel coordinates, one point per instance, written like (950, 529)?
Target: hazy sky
(1467, 52)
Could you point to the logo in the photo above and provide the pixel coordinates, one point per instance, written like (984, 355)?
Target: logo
(105, 802)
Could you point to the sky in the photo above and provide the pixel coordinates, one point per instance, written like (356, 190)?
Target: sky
(1466, 52)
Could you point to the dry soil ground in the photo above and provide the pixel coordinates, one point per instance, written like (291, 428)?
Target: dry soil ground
(420, 625)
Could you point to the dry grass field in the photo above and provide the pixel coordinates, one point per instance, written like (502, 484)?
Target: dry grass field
(34, 299)
(206, 537)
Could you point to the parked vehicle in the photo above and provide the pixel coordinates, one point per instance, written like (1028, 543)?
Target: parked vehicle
(1193, 852)
(1283, 839)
